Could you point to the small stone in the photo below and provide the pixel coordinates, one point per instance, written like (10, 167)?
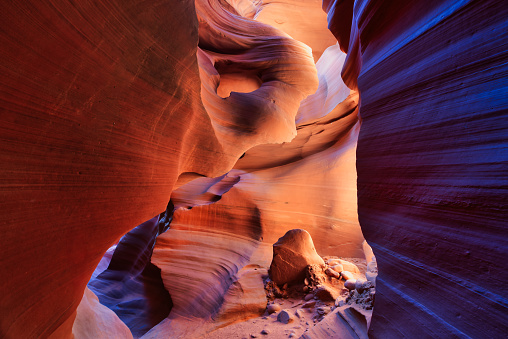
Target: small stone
(323, 310)
(265, 331)
(306, 281)
(308, 297)
(305, 289)
(338, 268)
(333, 262)
(253, 336)
(309, 304)
(299, 313)
(346, 275)
(339, 302)
(331, 273)
(326, 293)
(272, 308)
(359, 285)
(292, 335)
(285, 317)
(350, 284)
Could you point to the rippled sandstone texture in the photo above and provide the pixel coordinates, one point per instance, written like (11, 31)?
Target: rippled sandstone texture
(103, 110)
(101, 114)
(431, 160)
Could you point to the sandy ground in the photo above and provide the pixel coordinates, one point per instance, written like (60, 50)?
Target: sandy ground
(267, 325)
(253, 328)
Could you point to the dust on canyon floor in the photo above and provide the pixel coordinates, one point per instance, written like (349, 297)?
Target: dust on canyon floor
(308, 309)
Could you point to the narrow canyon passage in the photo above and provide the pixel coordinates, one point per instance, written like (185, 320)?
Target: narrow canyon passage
(255, 120)
(214, 259)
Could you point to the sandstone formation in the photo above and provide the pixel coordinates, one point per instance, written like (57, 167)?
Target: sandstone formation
(431, 161)
(131, 285)
(292, 253)
(96, 320)
(111, 109)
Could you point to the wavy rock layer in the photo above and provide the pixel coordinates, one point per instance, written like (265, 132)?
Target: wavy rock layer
(101, 113)
(131, 285)
(213, 257)
(432, 162)
(235, 50)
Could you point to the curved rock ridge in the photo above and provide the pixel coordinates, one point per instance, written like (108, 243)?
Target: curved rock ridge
(303, 20)
(231, 47)
(431, 161)
(94, 320)
(131, 285)
(101, 114)
(199, 258)
(214, 251)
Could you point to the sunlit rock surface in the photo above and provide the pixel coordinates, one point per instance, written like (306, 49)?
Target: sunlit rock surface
(432, 161)
(131, 285)
(212, 248)
(94, 320)
(292, 253)
(101, 112)
(109, 108)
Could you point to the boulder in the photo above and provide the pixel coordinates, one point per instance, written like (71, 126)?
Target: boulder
(291, 255)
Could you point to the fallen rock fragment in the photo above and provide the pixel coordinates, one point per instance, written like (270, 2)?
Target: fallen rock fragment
(338, 268)
(346, 265)
(272, 308)
(292, 253)
(332, 273)
(323, 310)
(299, 313)
(315, 275)
(326, 293)
(350, 284)
(346, 275)
(265, 331)
(309, 304)
(285, 317)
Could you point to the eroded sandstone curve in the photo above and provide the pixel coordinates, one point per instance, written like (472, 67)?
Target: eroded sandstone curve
(431, 161)
(282, 67)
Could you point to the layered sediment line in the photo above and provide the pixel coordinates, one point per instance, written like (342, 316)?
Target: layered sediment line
(431, 160)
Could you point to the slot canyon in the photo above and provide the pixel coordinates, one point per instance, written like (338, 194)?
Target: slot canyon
(254, 169)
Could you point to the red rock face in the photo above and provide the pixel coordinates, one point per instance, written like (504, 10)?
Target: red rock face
(431, 161)
(109, 108)
(101, 112)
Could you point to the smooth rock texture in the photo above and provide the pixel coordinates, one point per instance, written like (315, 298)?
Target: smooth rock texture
(110, 108)
(101, 113)
(94, 320)
(431, 161)
(292, 253)
(131, 285)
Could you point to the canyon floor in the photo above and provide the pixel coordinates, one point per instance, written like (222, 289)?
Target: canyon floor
(307, 312)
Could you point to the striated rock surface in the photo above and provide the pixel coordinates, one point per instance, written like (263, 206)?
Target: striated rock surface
(102, 114)
(277, 72)
(131, 285)
(431, 161)
(292, 253)
(94, 320)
